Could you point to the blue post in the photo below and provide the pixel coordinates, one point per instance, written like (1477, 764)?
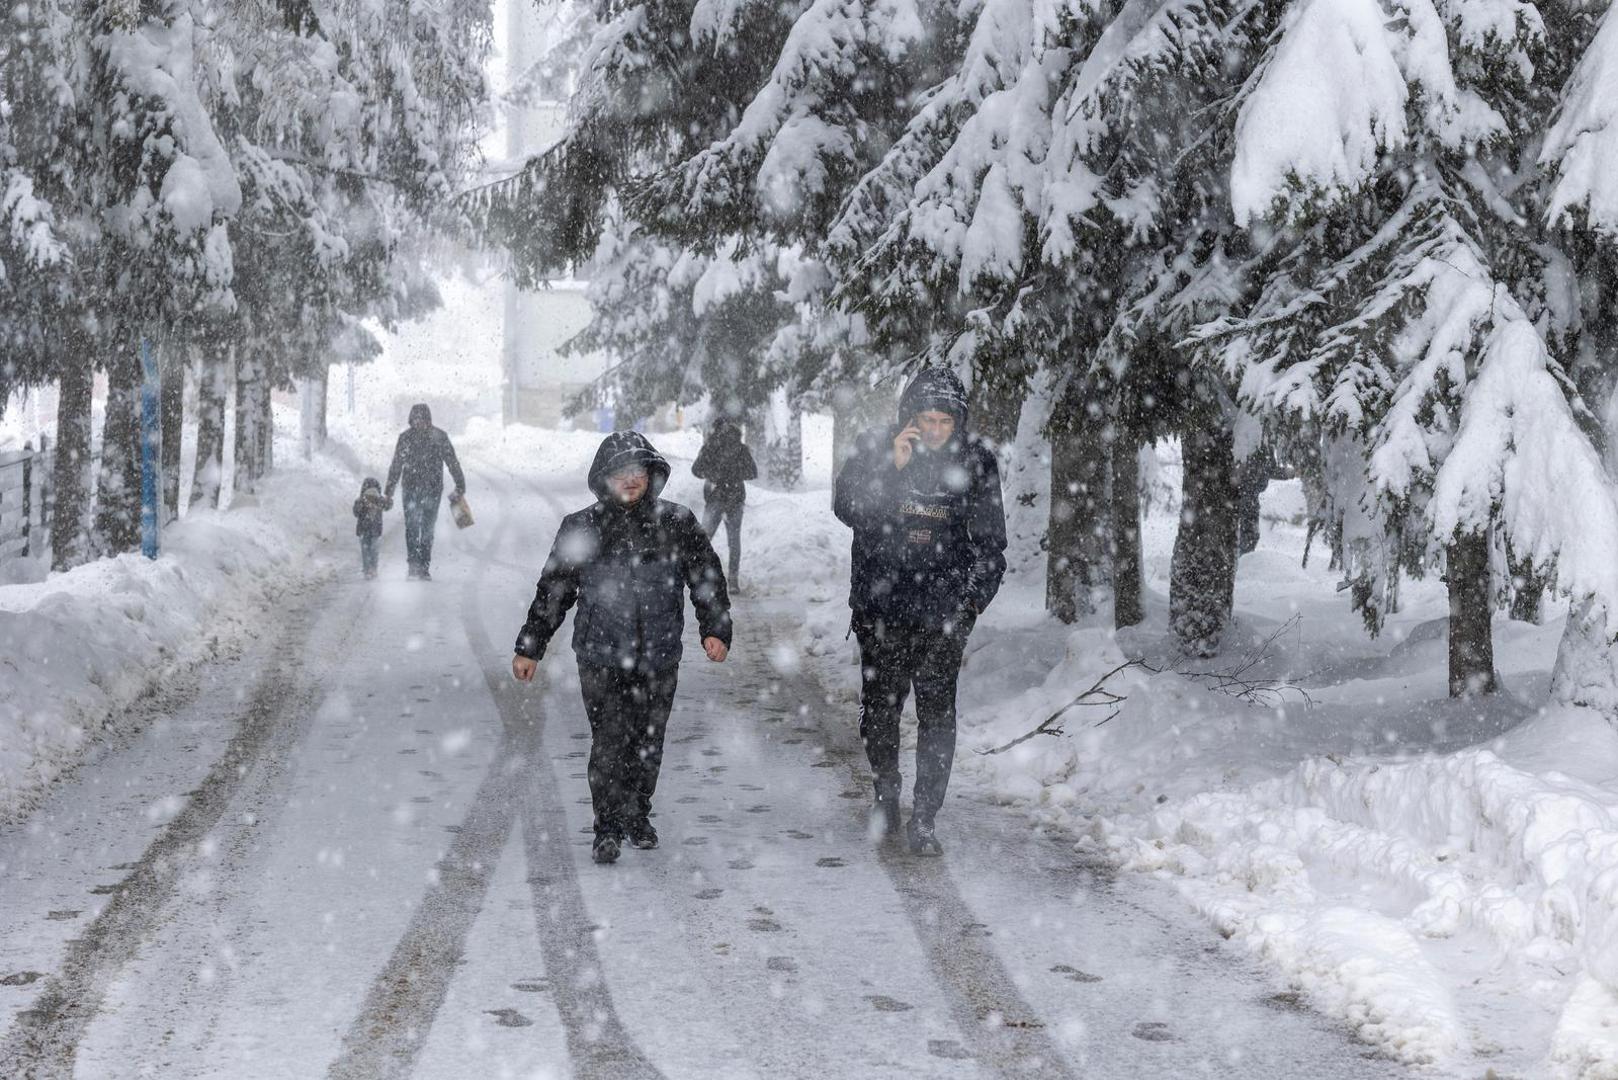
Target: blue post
(151, 452)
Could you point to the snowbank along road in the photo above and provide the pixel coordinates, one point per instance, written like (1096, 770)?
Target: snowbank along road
(359, 849)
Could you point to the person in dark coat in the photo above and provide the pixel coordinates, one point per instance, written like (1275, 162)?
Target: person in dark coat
(626, 561)
(368, 522)
(419, 461)
(724, 464)
(923, 499)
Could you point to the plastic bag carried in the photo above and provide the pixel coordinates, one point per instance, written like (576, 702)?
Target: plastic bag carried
(461, 511)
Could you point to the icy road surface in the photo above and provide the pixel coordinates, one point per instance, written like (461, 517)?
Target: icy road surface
(358, 849)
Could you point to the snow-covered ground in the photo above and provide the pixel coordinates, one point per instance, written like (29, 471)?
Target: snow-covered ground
(77, 650)
(1408, 864)
(1441, 877)
(357, 848)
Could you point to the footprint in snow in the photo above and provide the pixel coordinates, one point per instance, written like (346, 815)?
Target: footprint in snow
(883, 1003)
(1153, 1031)
(509, 1018)
(1075, 975)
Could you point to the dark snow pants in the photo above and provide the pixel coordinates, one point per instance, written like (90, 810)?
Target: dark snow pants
(628, 711)
(732, 514)
(421, 517)
(892, 660)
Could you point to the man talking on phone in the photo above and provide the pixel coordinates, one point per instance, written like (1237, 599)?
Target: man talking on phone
(923, 499)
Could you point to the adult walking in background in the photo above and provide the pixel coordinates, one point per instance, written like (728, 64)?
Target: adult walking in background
(923, 499)
(627, 561)
(419, 460)
(724, 464)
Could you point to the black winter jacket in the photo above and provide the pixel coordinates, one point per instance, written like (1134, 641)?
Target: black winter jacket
(627, 568)
(930, 539)
(420, 457)
(368, 513)
(725, 464)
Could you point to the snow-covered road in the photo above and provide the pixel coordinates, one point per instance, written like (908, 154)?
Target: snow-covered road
(358, 849)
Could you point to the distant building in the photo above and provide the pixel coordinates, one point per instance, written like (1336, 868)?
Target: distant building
(538, 380)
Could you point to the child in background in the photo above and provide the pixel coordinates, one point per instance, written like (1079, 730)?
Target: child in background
(368, 522)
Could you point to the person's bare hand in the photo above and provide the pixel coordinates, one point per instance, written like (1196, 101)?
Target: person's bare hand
(904, 444)
(716, 649)
(523, 668)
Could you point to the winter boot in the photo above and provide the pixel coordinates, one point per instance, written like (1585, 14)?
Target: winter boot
(921, 839)
(885, 811)
(642, 835)
(605, 849)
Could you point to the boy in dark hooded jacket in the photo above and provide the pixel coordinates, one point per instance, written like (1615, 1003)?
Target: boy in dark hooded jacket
(923, 499)
(725, 465)
(368, 522)
(626, 561)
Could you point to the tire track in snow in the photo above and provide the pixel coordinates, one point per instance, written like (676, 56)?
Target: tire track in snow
(597, 1042)
(1002, 1031)
(42, 1043)
(386, 1038)
(388, 1035)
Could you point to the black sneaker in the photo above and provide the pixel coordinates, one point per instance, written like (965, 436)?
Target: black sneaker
(605, 849)
(922, 840)
(642, 835)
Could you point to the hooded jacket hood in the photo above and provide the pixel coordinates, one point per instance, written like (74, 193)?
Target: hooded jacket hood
(934, 388)
(620, 450)
(421, 412)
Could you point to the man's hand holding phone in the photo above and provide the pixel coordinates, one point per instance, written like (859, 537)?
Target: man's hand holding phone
(904, 444)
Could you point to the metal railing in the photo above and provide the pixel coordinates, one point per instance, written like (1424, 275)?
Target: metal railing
(25, 501)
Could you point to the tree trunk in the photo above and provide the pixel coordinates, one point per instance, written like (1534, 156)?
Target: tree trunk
(1076, 540)
(1471, 644)
(213, 386)
(266, 422)
(1125, 547)
(244, 480)
(172, 411)
(70, 472)
(1202, 575)
(322, 400)
(782, 467)
(1586, 671)
(856, 409)
(996, 406)
(1252, 477)
(1527, 588)
(117, 516)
